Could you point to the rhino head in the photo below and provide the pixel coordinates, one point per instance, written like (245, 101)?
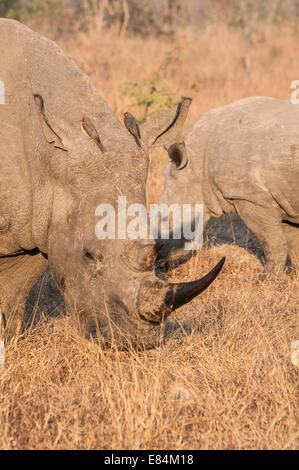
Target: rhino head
(109, 283)
(181, 187)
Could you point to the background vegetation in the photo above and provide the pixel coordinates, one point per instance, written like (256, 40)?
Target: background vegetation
(150, 17)
(223, 378)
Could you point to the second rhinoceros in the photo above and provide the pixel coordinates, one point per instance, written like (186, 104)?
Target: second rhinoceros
(243, 158)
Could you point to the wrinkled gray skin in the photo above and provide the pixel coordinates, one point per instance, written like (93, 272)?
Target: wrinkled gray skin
(52, 178)
(243, 158)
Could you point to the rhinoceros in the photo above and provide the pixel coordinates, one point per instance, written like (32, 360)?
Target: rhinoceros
(53, 176)
(243, 158)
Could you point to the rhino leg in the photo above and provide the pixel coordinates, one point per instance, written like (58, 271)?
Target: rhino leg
(17, 276)
(292, 235)
(266, 224)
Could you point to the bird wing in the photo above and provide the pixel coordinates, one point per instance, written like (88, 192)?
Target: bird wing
(137, 129)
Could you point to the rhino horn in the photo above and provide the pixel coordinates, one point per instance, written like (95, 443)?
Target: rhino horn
(181, 293)
(157, 298)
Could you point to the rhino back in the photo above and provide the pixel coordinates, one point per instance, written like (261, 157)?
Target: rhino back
(32, 64)
(250, 149)
(47, 70)
(15, 186)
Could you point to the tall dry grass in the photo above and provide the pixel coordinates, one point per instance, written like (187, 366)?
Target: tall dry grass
(223, 377)
(222, 380)
(222, 62)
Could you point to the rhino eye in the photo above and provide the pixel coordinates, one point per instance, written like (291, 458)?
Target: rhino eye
(94, 256)
(87, 254)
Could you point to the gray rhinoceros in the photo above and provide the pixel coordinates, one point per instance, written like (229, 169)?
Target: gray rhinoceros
(243, 158)
(53, 177)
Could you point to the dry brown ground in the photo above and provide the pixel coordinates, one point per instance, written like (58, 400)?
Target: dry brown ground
(223, 377)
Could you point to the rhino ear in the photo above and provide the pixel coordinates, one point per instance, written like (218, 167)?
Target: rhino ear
(163, 129)
(48, 129)
(178, 154)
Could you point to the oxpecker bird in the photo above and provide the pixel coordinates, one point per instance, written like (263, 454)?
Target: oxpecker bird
(132, 126)
(91, 132)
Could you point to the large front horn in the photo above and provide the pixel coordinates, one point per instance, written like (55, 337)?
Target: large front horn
(181, 293)
(157, 298)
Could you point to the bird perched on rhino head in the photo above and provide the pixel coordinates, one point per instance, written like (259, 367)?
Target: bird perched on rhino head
(89, 129)
(131, 124)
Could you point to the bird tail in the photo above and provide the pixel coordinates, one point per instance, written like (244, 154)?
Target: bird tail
(100, 145)
(137, 140)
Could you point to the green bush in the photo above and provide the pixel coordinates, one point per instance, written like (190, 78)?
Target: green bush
(152, 97)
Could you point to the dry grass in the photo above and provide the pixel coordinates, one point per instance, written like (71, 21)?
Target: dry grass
(221, 61)
(223, 378)
(224, 65)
